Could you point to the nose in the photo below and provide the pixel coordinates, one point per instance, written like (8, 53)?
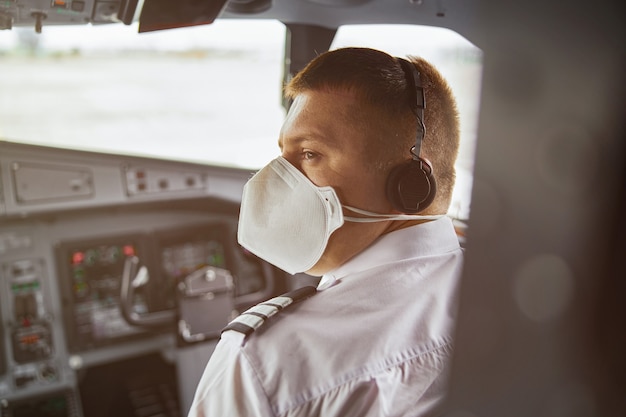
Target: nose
(293, 160)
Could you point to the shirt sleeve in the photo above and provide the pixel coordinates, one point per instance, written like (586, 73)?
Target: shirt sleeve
(229, 385)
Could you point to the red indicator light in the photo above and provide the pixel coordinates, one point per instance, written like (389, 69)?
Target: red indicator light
(129, 250)
(59, 4)
(29, 339)
(77, 258)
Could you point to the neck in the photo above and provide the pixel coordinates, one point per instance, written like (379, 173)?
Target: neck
(397, 225)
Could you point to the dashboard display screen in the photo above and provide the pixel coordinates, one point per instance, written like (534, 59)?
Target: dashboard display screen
(180, 260)
(181, 252)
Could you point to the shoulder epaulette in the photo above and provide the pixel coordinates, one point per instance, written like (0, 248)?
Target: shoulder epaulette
(254, 317)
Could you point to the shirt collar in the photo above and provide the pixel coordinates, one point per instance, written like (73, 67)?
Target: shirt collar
(437, 236)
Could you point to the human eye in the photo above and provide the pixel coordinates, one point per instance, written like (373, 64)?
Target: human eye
(308, 155)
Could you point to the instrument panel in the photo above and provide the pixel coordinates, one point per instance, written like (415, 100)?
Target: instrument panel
(64, 261)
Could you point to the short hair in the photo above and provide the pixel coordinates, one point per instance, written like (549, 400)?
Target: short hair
(379, 80)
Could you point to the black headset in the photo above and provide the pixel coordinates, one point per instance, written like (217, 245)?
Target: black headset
(411, 185)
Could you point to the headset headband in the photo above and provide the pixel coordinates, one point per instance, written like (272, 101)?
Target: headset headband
(417, 102)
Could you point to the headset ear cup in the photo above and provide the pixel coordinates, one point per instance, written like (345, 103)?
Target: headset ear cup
(411, 186)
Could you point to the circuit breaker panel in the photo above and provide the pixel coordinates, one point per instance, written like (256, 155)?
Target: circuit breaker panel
(29, 322)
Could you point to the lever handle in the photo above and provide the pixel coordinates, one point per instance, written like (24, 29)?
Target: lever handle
(134, 276)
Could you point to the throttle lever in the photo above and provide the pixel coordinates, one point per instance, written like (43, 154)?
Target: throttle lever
(134, 276)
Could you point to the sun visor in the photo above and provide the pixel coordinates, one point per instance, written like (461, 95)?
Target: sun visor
(168, 14)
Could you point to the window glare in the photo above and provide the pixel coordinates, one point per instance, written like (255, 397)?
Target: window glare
(205, 94)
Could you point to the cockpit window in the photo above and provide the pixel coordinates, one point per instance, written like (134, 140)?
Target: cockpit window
(209, 94)
(205, 93)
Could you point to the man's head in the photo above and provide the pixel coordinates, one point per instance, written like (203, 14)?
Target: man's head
(351, 123)
(388, 124)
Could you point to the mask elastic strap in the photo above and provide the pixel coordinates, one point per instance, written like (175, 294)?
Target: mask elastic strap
(377, 217)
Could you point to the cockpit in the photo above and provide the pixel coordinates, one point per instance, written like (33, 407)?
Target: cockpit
(129, 128)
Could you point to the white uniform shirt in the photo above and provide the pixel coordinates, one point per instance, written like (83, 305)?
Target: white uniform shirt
(374, 341)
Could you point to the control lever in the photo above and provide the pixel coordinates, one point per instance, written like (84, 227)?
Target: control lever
(134, 277)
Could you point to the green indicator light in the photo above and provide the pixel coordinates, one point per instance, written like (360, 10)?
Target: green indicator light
(67, 12)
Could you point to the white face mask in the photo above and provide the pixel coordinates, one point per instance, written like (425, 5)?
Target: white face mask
(287, 220)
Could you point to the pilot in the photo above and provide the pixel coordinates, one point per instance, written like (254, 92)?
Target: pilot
(358, 197)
